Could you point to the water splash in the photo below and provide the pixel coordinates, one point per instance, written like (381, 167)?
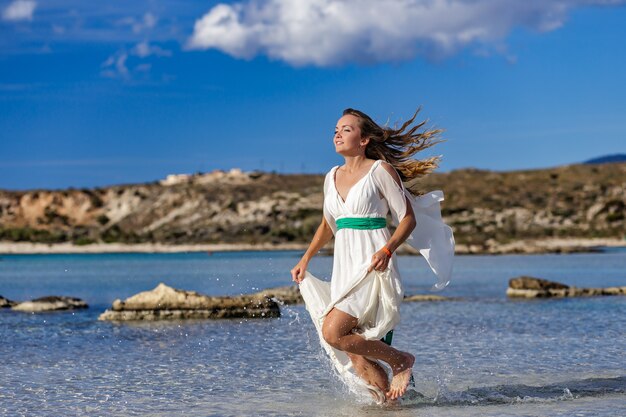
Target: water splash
(515, 394)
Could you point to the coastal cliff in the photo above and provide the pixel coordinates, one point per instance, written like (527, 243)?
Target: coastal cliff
(484, 208)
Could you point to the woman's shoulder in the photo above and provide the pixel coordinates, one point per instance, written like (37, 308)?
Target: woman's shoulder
(329, 176)
(384, 166)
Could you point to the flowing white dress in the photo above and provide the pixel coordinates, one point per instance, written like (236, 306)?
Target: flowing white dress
(373, 298)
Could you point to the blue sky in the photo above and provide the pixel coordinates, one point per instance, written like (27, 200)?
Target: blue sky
(125, 92)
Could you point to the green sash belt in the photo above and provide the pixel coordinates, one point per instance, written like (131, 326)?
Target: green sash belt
(388, 337)
(361, 223)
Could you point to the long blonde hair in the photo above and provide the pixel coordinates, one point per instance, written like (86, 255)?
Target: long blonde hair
(397, 146)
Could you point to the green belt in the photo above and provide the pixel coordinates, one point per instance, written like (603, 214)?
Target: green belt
(388, 337)
(361, 223)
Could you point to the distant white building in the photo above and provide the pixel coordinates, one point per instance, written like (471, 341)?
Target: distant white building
(174, 179)
(235, 174)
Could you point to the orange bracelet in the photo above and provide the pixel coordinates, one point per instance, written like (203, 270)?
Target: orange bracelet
(387, 251)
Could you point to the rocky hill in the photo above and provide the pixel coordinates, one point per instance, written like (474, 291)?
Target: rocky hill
(238, 207)
(607, 159)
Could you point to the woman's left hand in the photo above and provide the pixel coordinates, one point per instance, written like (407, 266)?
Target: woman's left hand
(380, 261)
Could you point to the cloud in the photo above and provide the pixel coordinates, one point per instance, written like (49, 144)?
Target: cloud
(337, 32)
(116, 65)
(148, 21)
(144, 49)
(88, 22)
(19, 10)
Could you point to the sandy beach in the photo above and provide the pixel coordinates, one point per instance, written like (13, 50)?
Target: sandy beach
(42, 248)
(538, 246)
(521, 246)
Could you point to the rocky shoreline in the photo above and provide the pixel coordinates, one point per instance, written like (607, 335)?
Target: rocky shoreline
(534, 246)
(490, 212)
(530, 287)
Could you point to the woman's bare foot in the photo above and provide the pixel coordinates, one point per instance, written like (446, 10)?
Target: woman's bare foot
(401, 377)
(373, 374)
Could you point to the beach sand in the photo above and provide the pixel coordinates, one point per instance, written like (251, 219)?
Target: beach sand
(521, 246)
(42, 248)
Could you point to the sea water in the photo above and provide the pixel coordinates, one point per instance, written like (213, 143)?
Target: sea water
(481, 355)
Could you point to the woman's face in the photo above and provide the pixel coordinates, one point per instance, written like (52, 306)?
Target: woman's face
(347, 137)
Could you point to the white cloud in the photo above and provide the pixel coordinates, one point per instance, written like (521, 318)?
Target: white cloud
(115, 66)
(147, 21)
(335, 32)
(144, 49)
(120, 64)
(19, 10)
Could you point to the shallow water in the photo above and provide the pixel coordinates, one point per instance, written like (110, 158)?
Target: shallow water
(481, 356)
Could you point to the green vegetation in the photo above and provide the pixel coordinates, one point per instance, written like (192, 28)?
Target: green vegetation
(28, 234)
(115, 234)
(83, 241)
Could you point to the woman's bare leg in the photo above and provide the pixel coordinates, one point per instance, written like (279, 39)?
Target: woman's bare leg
(337, 331)
(370, 371)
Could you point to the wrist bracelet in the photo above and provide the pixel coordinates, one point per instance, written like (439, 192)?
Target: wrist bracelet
(387, 251)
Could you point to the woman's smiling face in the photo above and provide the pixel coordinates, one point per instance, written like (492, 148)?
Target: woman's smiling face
(347, 137)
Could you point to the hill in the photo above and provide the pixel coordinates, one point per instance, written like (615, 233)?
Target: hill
(483, 207)
(619, 157)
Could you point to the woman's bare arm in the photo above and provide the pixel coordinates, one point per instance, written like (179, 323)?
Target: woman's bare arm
(380, 260)
(404, 229)
(322, 236)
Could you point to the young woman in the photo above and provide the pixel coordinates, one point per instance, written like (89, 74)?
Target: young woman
(361, 303)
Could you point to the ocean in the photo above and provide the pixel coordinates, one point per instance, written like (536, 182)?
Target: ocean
(481, 355)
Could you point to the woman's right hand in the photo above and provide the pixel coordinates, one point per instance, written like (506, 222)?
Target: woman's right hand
(297, 272)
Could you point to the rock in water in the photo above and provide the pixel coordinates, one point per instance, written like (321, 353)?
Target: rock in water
(530, 283)
(50, 303)
(165, 302)
(529, 287)
(5, 302)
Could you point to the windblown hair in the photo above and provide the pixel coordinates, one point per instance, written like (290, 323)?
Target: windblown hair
(397, 146)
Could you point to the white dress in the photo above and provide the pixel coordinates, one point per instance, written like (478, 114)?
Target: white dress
(373, 298)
